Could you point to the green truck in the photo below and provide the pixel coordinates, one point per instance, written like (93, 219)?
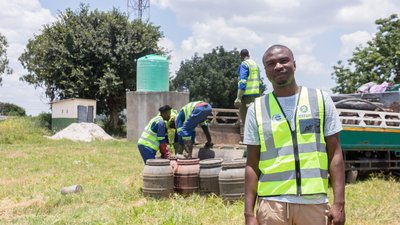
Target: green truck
(371, 132)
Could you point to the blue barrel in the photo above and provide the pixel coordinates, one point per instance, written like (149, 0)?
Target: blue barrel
(152, 74)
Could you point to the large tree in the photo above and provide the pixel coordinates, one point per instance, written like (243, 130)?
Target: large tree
(4, 69)
(379, 61)
(90, 54)
(212, 78)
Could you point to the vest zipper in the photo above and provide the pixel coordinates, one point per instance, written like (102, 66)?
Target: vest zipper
(296, 162)
(294, 139)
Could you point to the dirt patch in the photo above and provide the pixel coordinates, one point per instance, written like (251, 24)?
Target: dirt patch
(16, 154)
(140, 202)
(5, 182)
(9, 208)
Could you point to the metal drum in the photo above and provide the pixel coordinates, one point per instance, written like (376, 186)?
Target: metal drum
(231, 179)
(186, 176)
(158, 178)
(209, 172)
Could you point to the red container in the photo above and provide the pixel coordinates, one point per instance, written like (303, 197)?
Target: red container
(186, 176)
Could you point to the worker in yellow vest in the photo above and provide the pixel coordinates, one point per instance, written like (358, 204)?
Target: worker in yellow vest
(292, 138)
(248, 86)
(191, 115)
(153, 138)
(171, 133)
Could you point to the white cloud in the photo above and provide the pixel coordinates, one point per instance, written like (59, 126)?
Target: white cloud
(206, 36)
(308, 64)
(19, 21)
(351, 41)
(282, 4)
(301, 45)
(174, 61)
(367, 11)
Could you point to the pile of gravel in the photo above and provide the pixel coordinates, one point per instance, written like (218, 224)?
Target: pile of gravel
(82, 132)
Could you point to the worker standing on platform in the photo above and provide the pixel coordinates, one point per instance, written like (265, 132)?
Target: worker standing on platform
(248, 86)
(153, 137)
(191, 115)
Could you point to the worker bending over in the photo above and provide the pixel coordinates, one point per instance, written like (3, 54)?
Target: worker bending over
(191, 115)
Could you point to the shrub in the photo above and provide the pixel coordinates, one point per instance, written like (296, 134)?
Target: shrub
(44, 120)
(9, 109)
(21, 130)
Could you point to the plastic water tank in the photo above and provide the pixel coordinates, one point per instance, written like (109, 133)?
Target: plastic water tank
(152, 74)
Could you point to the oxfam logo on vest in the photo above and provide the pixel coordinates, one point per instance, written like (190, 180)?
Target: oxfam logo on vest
(304, 112)
(277, 117)
(303, 109)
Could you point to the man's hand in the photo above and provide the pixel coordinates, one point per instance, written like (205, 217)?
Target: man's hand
(238, 102)
(164, 151)
(208, 145)
(336, 214)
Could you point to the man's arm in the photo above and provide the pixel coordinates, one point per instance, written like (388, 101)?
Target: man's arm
(206, 131)
(337, 178)
(252, 173)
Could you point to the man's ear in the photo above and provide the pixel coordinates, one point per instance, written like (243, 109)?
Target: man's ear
(294, 64)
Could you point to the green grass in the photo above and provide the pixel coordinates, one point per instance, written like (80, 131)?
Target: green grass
(34, 169)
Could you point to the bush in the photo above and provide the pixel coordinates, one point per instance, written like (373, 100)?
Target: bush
(21, 130)
(9, 109)
(106, 124)
(44, 120)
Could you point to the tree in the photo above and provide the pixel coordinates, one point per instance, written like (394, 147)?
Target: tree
(4, 69)
(379, 61)
(9, 109)
(212, 78)
(90, 54)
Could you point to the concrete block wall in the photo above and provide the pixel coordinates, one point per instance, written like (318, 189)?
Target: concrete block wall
(142, 106)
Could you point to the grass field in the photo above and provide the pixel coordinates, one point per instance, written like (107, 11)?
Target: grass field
(34, 169)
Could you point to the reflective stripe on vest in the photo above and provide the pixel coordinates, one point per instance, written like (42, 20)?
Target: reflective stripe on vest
(253, 81)
(292, 163)
(148, 137)
(188, 109)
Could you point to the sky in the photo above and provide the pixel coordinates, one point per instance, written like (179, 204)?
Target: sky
(319, 33)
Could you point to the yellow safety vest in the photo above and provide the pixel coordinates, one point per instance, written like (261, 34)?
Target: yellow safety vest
(253, 80)
(149, 138)
(187, 111)
(292, 163)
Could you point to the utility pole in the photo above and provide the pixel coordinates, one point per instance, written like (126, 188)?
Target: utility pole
(140, 9)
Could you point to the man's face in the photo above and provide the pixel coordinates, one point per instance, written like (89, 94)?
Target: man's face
(166, 115)
(279, 66)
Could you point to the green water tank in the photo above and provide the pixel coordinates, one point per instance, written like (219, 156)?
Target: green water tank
(152, 74)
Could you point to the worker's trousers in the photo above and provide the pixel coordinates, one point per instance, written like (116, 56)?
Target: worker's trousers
(282, 213)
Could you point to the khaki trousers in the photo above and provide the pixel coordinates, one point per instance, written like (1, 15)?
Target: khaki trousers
(246, 100)
(282, 213)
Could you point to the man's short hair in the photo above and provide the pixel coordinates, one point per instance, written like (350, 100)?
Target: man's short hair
(244, 53)
(164, 108)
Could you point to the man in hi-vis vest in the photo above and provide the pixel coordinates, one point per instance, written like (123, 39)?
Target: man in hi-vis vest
(154, 136)
(292, 138)
(191, 115)
(248, 86)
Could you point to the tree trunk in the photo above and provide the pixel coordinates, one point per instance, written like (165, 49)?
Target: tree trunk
(113, 113)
